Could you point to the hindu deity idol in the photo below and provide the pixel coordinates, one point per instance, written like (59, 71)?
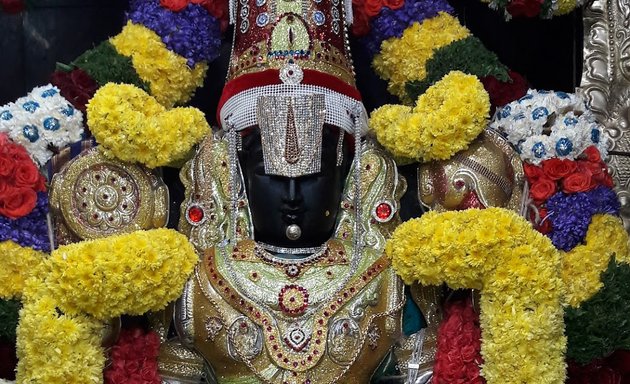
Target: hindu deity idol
(289, 207)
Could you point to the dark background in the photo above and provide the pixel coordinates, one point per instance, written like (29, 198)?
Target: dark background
(547, 52)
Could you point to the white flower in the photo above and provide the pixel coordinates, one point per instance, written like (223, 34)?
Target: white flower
(41, 120)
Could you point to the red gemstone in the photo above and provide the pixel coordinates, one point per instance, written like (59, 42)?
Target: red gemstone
(195, 214)
(383, 211)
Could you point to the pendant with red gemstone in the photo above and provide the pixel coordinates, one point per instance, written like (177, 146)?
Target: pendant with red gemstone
(383, 211)
(195, 215)
(293, 299)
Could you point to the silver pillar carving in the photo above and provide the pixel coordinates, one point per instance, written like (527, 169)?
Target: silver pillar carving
(606, 84)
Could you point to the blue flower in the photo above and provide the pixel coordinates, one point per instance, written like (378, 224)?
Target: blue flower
(562, 95)
(539, 113)
(49, 93)
(68, 111)
(30, 106)
(595, 135)
(564, 146)
(6, 115)
(526, 97)
(570, 121)
(31, 133)
(51, 124)
(539, 150)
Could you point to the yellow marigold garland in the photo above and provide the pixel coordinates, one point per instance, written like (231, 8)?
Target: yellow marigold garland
(54, 347)
(518, 271)
(404, 59)
(16, 265)
(446, 118)
(132, 126)
(59, 341)
(584, 264)
(124, 274)
(171, 80)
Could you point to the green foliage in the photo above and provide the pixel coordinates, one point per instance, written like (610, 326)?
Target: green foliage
(105, 65)
(467, 55)
(9, 310)
(601, 325)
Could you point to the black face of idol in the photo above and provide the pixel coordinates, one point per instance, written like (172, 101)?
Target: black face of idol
(311, 202)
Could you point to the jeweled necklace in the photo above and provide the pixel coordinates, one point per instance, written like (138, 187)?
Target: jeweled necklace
(292, 267)
(300, 317)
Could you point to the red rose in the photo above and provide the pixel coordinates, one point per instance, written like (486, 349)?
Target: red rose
(12, 6)
(394, 4)
(361, 21)
(501, 92)
(577, 182)
(542, 189)
(556, 169)
(76, 86)
(544, 226)
(533, 172)
(27, 175)
(592, 154)
(6, 165)
(526, 8)
(174, 5)
(18, 202)
(373, 7)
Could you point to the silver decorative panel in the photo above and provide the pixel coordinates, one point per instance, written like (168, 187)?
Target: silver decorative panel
(606, 84)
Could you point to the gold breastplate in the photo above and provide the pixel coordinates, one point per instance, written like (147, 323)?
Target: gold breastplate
(254, 322)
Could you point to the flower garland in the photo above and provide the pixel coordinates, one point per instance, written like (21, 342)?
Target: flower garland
(134, 358)
(571, 215)
(613, 369)
(458, 352)
(105, 65)
(30, 230)
(397, 66)
(132, 126)
(391, 23)
(582, 267)
(516, 268)
(594, 331)
(40, 121)
(124, 274)
(54, 347)
(544, 125)
(437, 127)
(8, 319)
(132, 273)
(16, 265)
(76, 86)
(467, 55)
(217, 8)
(171, 80)
(191, 33)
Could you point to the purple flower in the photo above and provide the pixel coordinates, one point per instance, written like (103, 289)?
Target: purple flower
(30, 230)
(192, 33)
(571, 215)
(391, 23)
